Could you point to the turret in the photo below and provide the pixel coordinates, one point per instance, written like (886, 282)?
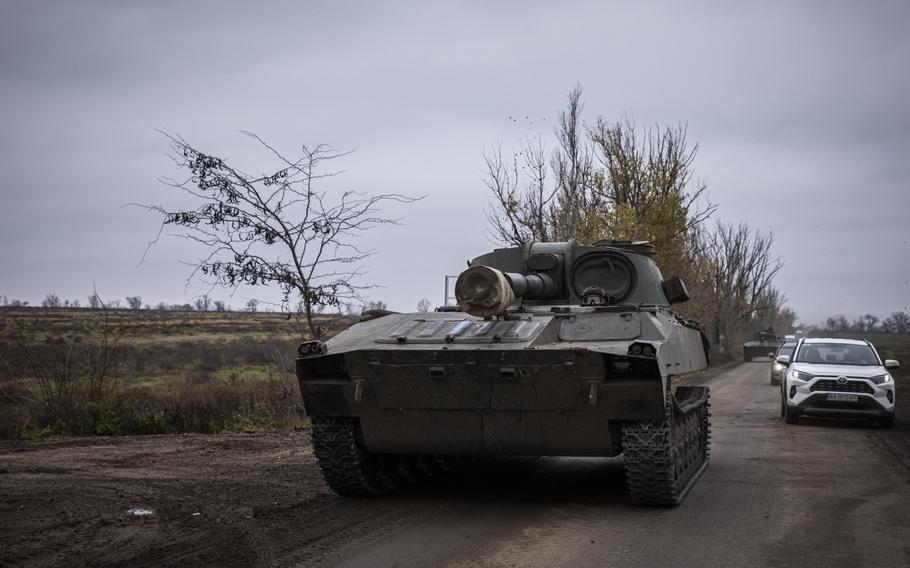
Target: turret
(607, 273)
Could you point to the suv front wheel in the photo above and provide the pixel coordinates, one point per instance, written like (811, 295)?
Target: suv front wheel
(790, 415)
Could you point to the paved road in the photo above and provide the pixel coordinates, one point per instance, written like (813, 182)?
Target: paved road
(814, 494)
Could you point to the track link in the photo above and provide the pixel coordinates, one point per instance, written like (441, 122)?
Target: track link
(347, 468)
(663, 458)
(351, 470)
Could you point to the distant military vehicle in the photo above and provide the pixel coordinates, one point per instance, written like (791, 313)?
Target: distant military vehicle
(557, 349)
(765, 342)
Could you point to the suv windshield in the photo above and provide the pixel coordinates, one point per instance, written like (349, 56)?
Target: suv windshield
(836, 354)
(786, 349)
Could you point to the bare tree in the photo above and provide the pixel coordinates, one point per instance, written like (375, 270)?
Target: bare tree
(203, 303)
(423, 305)
(275, 229)
(617, 181)
(610, 181)
(375, 305)
(743, 272)
(784, 320)
(897, 322)
(541, 196)
(51, 301)
(220, 306)
(520, 210)
(837, 323)
(94, 301)
(648, 170)
(573, 167)
(134, 302)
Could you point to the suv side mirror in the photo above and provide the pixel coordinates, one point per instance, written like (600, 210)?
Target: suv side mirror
(783, 359)
(891, 364)
(675, 289)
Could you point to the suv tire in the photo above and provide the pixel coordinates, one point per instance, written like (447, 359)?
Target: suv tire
(790, 415)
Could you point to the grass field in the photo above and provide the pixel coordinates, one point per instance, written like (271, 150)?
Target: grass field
(95, 372)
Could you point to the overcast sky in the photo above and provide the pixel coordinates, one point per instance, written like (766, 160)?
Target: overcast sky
(800, 111)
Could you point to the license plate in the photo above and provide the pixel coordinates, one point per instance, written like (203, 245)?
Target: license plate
(842, 397)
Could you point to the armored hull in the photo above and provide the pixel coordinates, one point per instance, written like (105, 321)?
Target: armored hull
(766, 343)
(565, 374)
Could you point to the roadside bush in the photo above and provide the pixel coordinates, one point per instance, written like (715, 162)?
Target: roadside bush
(92, 383)
(193, 406)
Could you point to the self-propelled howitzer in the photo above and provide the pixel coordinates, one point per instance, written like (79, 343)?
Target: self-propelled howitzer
(556, 349)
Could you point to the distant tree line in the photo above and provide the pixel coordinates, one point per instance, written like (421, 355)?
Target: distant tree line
(203, 303)
(897, 322)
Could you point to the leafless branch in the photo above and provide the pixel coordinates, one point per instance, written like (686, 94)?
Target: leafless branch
(274, 229)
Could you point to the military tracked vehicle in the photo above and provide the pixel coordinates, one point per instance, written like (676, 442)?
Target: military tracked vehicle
(555, 349)
(765, 342)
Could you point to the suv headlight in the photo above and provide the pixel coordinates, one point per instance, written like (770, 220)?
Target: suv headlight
(881, 379)
(802, 375)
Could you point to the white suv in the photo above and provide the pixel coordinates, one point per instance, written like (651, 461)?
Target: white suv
(837, 377)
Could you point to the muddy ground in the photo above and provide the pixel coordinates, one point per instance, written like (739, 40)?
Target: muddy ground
(225, 500)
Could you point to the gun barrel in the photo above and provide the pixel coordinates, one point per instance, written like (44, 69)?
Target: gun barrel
(532, 286)
(485, 291)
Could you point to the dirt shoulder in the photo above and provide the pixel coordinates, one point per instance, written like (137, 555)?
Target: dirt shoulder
(225, 500)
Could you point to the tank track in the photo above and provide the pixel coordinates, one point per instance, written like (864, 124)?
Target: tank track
(664, 458)
(352, 471)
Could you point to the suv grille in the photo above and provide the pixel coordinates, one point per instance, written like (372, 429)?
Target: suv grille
(833, 386)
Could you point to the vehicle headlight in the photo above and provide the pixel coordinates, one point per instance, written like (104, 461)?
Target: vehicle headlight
(802, 375)
(881, 379)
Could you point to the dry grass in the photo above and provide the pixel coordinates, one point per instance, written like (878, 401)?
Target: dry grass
(170, 371)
